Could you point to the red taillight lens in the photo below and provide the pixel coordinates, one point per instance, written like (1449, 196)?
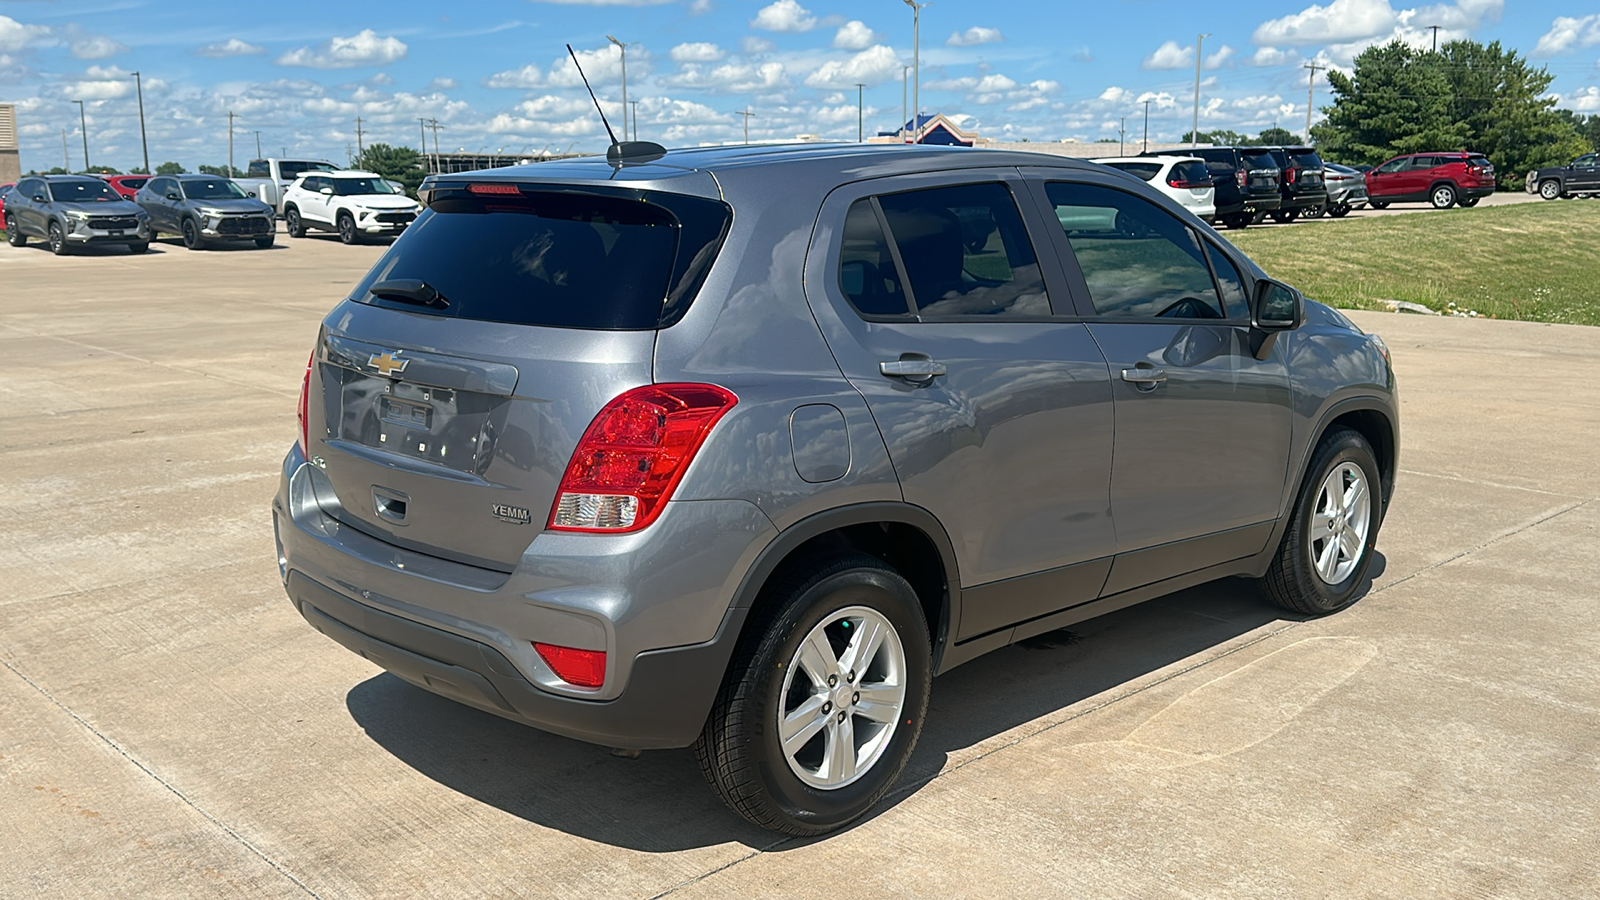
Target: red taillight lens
(494, 189)
(305, 390)
(584, 668)
(1242, 177)
(634, 454)
(1291, 173)
(1174, 181)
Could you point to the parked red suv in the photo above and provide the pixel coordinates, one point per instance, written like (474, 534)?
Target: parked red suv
(126, 185)
(1443, 179)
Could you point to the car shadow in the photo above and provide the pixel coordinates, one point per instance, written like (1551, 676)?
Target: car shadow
(659, 803)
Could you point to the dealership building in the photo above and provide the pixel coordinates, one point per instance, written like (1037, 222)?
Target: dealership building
(10, 161)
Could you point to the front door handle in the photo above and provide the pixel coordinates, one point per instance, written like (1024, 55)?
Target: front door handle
(913, 367)
(1144, 379)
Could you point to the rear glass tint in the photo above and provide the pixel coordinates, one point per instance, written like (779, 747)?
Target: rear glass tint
(1260, 160)
(1305, 158)
(560, 259)
(1145, 171)
(1190, 173)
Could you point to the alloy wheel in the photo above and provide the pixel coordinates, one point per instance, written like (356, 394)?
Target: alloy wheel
(1337, 536)
(1550, 190)
(842, 698)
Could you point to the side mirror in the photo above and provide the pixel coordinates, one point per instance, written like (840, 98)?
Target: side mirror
(173, 195)
(328, 191)
(250, 193)
(1275, 308)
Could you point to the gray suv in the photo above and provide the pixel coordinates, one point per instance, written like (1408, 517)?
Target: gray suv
(70, 211)
(737, 448)
(204, 209)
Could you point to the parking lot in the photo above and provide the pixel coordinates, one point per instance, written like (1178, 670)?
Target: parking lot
(170, 726)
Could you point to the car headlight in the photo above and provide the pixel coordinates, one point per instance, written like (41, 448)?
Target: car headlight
(210, 211)
(77, 215)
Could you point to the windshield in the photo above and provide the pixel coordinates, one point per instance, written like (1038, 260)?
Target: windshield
(1146, 171)
(1305, 158)
(83, 192)
(351, 187)
(215, 189)
(288, 169)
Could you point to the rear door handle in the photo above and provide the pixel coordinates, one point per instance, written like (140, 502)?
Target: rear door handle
(916, 369)
(1144, 379)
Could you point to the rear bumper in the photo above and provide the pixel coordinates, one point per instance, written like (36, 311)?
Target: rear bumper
(1477, 193)
(1262, 203)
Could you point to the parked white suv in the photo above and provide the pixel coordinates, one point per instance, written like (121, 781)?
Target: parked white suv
(353, 204)
(1183, 178)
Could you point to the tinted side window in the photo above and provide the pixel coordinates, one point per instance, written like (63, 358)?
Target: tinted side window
(258, 169)
(1393, 165)
(1138, 260)
(966, 252)
(867, 273)
(1234, 299)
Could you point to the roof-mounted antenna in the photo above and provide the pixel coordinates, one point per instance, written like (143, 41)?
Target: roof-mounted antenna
(620, 151)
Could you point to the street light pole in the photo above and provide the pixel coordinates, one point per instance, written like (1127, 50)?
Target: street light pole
(231, 117)
(258, 145)
(1146, 148)
(636, 120)
(138, 85)
(916, 68)
(1199, 44)
(860, 113)
(624, 48)
(905, 120)
(1311, 94)
(83, 126)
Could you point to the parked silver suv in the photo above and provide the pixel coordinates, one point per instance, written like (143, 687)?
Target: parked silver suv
(738, 447)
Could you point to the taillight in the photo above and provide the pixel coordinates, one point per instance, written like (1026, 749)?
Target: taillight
(1291, 173)
(504, 189)
(584, 668)
(634, 454)
(1243, 178)
(1175, 181)
(305, 390)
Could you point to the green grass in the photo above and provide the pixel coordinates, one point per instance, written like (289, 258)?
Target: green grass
(1539, 262)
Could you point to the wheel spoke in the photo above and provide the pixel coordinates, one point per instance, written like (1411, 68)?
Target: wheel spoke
(840, 761)
(1321, 526)
(880, 702)
(863, 646)
(816, 658)
(1328, 560)
(1356, 495)
(802, 724)
(1350, 545)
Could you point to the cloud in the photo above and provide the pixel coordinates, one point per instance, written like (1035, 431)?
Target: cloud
(784, 15)
(700, 7)
(108, 83)
(733, 77)
(554, 106)
(754, 44)
(871, 66)
(605, 2)
(1169, 56)
(1583, 100)
(1340, 21)
(700, 51)
(603, 64)
(1083, 54)
(1272, 56)
(365, 48)
(443, 84)
(854, 35)
(14, 35)
(1215, 60)
(524, 78)
(1566, 33)
(96, 48)
(230, 47)
(974, 36)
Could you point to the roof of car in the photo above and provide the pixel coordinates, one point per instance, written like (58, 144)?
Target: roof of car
(1175, 157)
(57, 179)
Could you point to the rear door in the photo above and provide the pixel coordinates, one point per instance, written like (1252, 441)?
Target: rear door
(447, 429)
(995, 410)
(1585, 173)
(1202, 425)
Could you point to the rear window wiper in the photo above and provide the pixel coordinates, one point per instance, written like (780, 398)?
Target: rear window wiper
(409, 290)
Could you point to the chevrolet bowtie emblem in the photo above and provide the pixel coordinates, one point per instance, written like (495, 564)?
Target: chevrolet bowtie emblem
(387, 363)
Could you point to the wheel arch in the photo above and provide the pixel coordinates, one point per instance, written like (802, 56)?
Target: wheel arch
(907, 537)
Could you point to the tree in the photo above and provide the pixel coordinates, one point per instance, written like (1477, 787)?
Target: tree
(1222, 137)
(1277, 137)
(101, 170)
(1466, 96)
(401, 164)
(219, 170)
(1588, 127)
(169, 168)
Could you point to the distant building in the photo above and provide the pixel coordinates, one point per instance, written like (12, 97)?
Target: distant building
(10, 158)
(446, 163)
(936, 129)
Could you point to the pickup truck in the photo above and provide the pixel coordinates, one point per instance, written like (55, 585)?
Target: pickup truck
(1581, 177)
(267, 179)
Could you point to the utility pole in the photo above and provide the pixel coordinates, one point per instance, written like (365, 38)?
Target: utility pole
(1199, 44)
(624, 49)
(905, 119)
(422, 129)
(636, 120)
(860, 113)
(434, 124)
(1435, 37)
(66, 161)
(138, 85)
(1311, 93)
(1146, 147)
(83, 125)
(1122, 137)
(231, 117)
(916, 68)
(747, 116)
(360, 150)
(258, 145)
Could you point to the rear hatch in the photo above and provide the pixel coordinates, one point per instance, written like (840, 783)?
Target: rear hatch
(1305, 168)
(452, 386)
(1261, 173)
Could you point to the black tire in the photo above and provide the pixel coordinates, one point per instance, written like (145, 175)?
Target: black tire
(1259, 217)
(1469, 203)
(56, 239)
(1285, 216)
(265, 241)
(1340, 211)
(347, 229)
(1378, 204)
(1443, 196)
(1237, 220)
(292, 223)
(14, 235)
(191, 235)
(1314, 212)
(1550, 189)
(140, 247)
(1293, 581)
(740, 752)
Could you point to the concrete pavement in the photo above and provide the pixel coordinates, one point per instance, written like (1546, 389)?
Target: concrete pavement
(170, 727)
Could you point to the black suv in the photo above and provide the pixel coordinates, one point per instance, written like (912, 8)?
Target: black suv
(1246, 181)
(1301, 183)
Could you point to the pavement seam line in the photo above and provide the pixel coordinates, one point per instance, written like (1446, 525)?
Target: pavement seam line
(149, 362)
(161, 781)
(1493, 484)
(1514, 531)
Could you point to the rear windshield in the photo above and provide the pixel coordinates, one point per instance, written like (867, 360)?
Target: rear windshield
(288, 170)
(1305, 158)
(1193, 172)
(1481, 162)
(134, 183)
(1259, 159)
(558, 259)
(1145, 171)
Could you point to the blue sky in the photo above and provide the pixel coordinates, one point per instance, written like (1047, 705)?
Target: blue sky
(495, 76)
